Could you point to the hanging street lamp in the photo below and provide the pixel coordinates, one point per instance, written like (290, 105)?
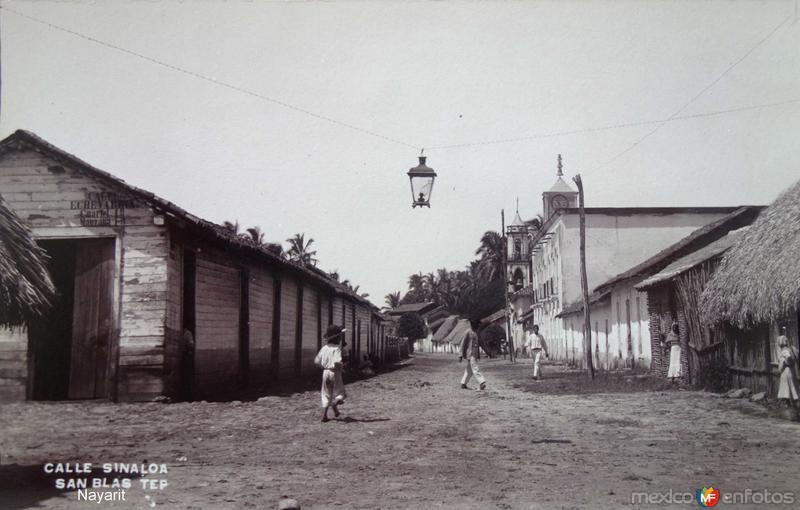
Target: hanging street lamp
(421, 177)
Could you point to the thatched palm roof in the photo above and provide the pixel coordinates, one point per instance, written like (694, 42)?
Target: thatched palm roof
(26, 290)
(758, 279)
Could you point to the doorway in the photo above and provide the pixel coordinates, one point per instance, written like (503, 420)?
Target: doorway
(71, 346)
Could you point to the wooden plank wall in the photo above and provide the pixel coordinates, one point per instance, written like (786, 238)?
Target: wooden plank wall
(216, 355)
(261, 318)
(174, 321)
(43, 193)
(338, 305)
(326, 317)
(309, 340)
(364, 316)
(288, 321)
(144, 304)
(351, 329)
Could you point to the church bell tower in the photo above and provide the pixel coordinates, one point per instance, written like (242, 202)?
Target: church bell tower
(560, 195)
(518, 253)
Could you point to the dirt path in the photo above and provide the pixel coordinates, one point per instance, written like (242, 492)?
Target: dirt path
(410, 438)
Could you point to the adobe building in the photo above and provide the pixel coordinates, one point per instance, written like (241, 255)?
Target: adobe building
(139, 279)
(622, 339)
(617, 238)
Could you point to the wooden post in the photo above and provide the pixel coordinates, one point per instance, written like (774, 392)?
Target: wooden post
(587, 326)
(509, 336)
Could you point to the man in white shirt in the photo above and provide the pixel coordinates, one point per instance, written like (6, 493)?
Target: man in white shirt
(471, 351)
(329, 359)
(536, 345)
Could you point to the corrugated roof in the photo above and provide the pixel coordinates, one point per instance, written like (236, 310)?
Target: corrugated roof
(499, 314)
(412, 307)
(457, 334)
(683, 264)
(447, 326)
(577, 306)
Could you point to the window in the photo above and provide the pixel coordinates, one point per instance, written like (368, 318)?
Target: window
(519, 279)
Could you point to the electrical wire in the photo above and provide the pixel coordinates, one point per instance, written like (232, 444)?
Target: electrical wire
(696, 96)
(616, 126)
(659, 122)
(212, 80)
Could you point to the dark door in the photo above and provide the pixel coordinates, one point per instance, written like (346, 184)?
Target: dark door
(92, 318)
(50, 337)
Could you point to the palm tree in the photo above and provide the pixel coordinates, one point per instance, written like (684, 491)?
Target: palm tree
(300, 250)
(491, 252)
(232, 228)
(433, 287)
(255, 235)
(392, 299)
(416, 282)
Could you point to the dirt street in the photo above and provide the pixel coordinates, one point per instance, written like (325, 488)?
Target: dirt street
(409, 438)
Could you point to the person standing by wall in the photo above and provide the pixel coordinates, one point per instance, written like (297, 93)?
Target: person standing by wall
(673, 341)
(787, 367)
(537, 346)
(471, 351)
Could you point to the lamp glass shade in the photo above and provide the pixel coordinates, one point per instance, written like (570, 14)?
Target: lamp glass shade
(422, 178)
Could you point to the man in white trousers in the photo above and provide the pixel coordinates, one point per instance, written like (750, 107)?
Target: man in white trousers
(329, 359)
(471, 351)
(537, 346)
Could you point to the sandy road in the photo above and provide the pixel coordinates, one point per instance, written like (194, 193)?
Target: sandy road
(410, 438)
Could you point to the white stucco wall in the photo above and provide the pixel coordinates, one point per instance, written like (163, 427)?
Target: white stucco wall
(614, 244)
(610, 328)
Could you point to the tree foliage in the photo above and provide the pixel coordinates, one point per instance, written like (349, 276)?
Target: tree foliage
(300, 250)
(412, 326)
(475, 291)
(392, 299)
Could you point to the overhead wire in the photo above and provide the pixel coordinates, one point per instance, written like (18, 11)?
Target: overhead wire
(658, 122)
(212, 80)
(697, 96)
(615, 126)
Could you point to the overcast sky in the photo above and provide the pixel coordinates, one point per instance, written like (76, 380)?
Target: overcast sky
(425, 74)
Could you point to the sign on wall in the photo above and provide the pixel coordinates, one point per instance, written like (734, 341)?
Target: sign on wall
(102, 209)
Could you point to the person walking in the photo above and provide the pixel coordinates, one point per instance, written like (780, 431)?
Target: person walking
(471, 351)
(787, 367)
(329, 359)
(536, 345)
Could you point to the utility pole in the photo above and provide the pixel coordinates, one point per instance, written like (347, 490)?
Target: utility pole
(587, 326)
(509, 336)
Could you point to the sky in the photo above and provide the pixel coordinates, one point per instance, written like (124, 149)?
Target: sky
(274, 146)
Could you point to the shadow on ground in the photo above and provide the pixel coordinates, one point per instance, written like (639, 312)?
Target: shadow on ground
(24, 486)
(560, 380)
(289, 389)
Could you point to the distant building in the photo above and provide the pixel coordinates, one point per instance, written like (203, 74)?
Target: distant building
(617, 238)
(431, 314)
(621, 338)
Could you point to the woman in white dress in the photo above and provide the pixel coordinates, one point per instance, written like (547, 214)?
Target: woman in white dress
(787, 367)
(674, 341)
